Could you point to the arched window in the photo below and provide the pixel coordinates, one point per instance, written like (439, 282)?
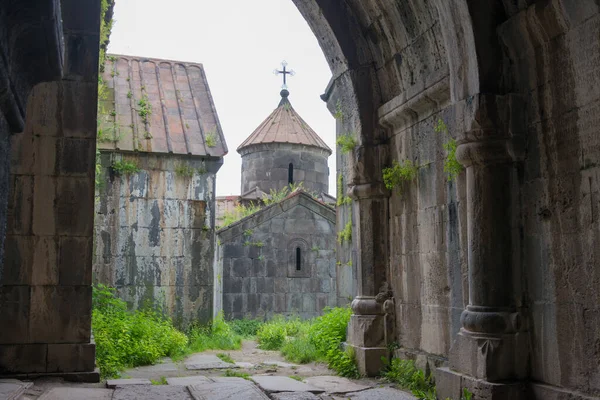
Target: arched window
(291, 173)
(298, 259)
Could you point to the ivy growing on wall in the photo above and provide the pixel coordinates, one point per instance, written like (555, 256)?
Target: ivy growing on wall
(394, 176)
(345, 235)
(451, 165)
(341, 199)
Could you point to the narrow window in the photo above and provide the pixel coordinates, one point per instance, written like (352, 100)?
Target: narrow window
(298, 259)
(291, 173)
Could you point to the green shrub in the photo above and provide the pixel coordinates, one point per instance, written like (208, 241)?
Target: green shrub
(217, 336)
(327, 333)
(125, 167)
(300, 350)
(408, 376)
(211, 138)
(271, 336)
(246, 328)
(129, 339)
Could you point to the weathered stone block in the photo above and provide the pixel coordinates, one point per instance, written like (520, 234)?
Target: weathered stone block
(76, 156)
(60, 314)
(14, 314)
(19, 260)
(71, 357)
(20, 206)
(44, 196)
(23, 358)
(75, 254)
(45, 269)
(281, 285)
(74, 206)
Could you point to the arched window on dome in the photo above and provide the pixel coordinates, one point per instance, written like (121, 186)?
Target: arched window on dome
(291, 174)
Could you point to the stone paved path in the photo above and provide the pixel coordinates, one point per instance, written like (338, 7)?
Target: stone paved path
(257, 375)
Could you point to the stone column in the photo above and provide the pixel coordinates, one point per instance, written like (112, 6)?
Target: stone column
(491, 345)
(366, 331)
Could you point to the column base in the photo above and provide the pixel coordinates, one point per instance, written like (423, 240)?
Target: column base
(71, 361)
(79, 377)
(450, 384)
(493, 358)
(369, 360)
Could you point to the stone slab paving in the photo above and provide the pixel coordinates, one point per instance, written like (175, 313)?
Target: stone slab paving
(335, 384)
(275, 384)
(380, 394)
(279, 364)
(226, 388)
(153, 392)
(294, 396)
(72, 393)
(188, 380)
(206, 361)
(12, 389)
(113, 383)
(242, 364)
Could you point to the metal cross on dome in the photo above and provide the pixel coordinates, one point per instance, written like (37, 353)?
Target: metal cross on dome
(285, 72)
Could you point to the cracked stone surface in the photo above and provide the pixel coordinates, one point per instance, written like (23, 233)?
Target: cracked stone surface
(71, 393)
(12, 388)
(274, 384)
(227, 388)
(335, 384)
(153, 392)
(206, 361)
(113, 383)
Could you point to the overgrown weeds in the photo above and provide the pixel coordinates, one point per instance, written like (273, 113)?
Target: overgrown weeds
(129, 339)
(405, 374)
(246, 328)
(216, 336)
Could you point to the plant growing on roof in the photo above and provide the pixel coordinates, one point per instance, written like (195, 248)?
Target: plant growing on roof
(145, 108)
(451, 165)
(184, 170)
(125, 167)
(339, 115)
(346, 142)
(211, 138)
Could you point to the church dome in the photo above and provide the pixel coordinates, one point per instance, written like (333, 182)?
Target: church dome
(284, 125)
(284, 150)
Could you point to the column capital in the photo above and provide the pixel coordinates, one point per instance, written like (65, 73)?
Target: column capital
(368, 191)
(493, 128)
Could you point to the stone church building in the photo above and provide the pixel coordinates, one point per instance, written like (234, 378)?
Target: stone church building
(161, 145)
(281, 259)
(489, 280)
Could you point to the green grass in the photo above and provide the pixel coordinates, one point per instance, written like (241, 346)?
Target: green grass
(216, 336)
(226, 358)
(300, 350)
(246, 328)
(405, 374)
(236, 374)
(296, 377)
(161, 381)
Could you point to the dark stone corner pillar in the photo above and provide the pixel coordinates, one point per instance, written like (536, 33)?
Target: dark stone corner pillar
(490, 354)
(48, 96)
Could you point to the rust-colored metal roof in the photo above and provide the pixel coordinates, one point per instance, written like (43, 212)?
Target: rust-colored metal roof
(182, 120)
(284, 125)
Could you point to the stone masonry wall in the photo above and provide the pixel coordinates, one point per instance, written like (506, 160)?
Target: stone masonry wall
(267, 167)
(154, 233)
(259, 276)
(46, 286)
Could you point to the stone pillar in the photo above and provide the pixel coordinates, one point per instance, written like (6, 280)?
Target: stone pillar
(367, 328)
(491, 345)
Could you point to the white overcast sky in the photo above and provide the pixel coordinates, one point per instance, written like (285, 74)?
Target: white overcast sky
(239, 42)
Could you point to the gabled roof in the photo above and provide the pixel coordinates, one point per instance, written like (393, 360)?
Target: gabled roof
(265, 214)
(284, 125)
(182, 117)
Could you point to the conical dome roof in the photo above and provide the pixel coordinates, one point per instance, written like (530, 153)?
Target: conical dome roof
(284, 125)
